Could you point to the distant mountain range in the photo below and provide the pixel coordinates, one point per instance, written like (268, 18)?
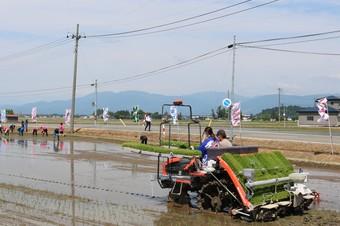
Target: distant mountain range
(202, 102)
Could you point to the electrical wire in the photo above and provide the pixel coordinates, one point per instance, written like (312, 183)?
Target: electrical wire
(170, 23)
(36, 49)
(151, 74)
(290, 37)
(291, 51)
(120, 34)
(192, 60)
(41, 91)
(141, 75)
(303, 41)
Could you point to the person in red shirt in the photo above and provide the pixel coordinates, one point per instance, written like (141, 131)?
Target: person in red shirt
(61, 129)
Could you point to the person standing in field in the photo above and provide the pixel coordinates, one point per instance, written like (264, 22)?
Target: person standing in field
(26, 125)
(61, 128)
(147, 121)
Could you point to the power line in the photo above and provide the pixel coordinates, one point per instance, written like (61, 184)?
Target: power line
(170, 23)
(291, 51)
(34, 50)
(140, 75)
(303, 41)
(40, 91)
(189, 61)
(186, 25)
(150, 74)
(290, 37)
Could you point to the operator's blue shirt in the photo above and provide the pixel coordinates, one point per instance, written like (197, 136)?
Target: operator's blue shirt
(206, 144)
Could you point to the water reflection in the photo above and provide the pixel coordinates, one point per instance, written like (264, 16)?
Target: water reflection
(72, 182)
(58, 146)
(94, 164)
(35, 144)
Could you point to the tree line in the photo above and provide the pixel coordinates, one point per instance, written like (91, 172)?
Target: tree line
(286, 112)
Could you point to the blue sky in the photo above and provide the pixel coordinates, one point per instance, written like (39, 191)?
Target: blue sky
(26, 24)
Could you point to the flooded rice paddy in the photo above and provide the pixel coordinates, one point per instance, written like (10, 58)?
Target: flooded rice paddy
(87, 183)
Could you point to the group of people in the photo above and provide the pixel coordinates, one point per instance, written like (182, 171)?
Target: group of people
(44, 130)
(24, 128)
(210, 141)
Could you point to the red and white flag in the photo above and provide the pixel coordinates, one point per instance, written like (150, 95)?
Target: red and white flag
(323, 109)
(34, 114)
(67, 116)
(236, 114)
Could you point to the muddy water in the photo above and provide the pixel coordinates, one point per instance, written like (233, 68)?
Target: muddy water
(85, 183)
(327, 182)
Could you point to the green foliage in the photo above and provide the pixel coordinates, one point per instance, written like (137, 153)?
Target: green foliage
(141, 112)
(156, 115)
(9, 112)
(123, 114)
(221, 112)
(99, 111)
(273, 113)
(158, 149)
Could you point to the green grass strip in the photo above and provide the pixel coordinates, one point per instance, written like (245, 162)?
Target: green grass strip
(179, 144)
(158, 149)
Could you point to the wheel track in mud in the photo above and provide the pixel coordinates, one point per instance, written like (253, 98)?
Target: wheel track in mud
(24, 206)
(85, 186)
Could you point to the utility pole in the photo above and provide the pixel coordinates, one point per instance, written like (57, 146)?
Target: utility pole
(95, 84)
(233, 72)
(284, 115)
(232, 86)
(279, 105)
(76, 37)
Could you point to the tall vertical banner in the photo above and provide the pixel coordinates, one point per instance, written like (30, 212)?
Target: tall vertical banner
(236, 114)
(135, 110)
(3, 115)
(323, 109)
(173, 113)
(67, 116)
(322, 105)
(34, 114)
(106, 114)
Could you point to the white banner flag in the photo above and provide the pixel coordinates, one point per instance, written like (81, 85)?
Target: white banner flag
(3, 115)
(236, 114)
(173, 113)
(34, 114)
(106, 114)
(67, 117)
(323, 110)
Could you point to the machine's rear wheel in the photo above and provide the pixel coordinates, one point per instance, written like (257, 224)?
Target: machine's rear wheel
(211, 197)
